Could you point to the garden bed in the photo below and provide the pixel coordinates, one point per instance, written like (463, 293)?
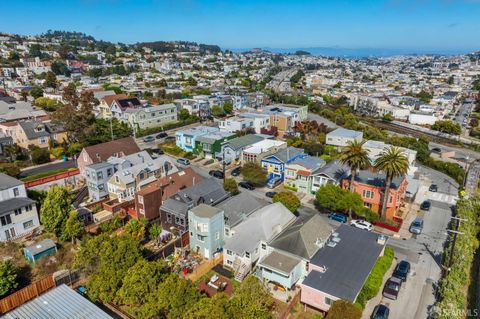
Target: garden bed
(394, 226)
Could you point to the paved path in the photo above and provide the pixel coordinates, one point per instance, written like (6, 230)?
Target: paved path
(48, 167)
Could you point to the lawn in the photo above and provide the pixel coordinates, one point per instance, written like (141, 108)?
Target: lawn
(45, 174)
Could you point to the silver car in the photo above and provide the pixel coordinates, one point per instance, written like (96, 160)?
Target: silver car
(417, 226)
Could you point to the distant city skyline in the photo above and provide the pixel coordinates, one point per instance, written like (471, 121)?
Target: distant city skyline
(411, 26)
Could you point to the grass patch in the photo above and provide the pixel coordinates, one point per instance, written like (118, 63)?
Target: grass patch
(45, 174)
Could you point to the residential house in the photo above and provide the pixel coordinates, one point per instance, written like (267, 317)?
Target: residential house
(334, 172)
(96, 178)
(36, 133)
(331, 276)
(198, 107)
(285, 259)
(19, 111)
(299, 173)
(341, 137)
(235, 124)
(150, 197)
(150, 116)
(237, 208)
(101, 152)
(126, 181)
(119, 106)
(18, 213)
(206, 228)
(104, 108)
(209, 145)
(258, 151)
(186, 139)
(4, 142)
(261, 121)
(375, 148)
(174, 210)
(275, 163)
(242, 249)
(232, 150)
(284, 117)
(371, 187)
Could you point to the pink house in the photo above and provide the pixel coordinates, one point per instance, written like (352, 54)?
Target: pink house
(340, 269)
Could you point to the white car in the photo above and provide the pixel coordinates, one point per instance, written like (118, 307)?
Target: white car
(361, 224)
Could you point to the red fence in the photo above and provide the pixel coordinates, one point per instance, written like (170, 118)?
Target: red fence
(52, 178)
(28, 293)
(398, 220)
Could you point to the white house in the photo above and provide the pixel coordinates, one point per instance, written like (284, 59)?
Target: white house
(18, 213)
(151, 116)
(422, 119)
(341, 137)
(376, 147)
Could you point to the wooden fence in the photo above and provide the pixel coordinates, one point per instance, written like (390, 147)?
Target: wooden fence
(286, 312)
(28, 293)
(52, 178)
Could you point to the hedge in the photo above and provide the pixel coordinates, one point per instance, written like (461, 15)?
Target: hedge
(292, 188)
(375, 280)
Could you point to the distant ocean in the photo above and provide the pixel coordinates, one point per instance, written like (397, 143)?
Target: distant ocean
(361, 52)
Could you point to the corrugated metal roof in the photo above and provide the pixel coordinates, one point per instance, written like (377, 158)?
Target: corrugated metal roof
(61, 302)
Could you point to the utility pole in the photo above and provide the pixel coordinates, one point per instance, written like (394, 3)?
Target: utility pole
(111, 128)
(223, 165)
(455, 232)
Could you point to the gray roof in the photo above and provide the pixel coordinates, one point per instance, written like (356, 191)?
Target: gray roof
(377, 179)
(288, 153)
(7, 181)
(9, 205)
(343, 132)
(280, 262)
(243, 141)
(239, 207)
(29, 127)
(262, 225)
(301, 237)
(41, 246)
(310, 162)
(334, 170)
(205, 211)
(58, 303)
(207, 191)
(19, 110)
(347, 265)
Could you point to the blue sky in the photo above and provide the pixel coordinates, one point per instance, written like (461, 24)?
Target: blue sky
(410, 24)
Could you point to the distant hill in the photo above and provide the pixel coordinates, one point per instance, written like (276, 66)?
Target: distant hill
(179, 46)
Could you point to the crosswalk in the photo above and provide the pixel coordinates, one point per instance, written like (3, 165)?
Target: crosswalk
(424, 194)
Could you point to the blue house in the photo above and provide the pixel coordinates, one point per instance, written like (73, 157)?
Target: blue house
(275, 163)
(186, 139)
(206, 228)
(38, 250)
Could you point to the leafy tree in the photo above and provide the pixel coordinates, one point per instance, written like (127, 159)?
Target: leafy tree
(24, 95)
(342, 309)
(254, 173)
(154, 231)
(35, 50)
(36, 92)
(12, 151)
(288, 199)
(228, 107)
(136, 228)
(216, 307)
(230, 186)
(217, 111)
(333, 198)
(393, 162)
(424, 96)
(8, 277)
(104, 129)
(10, 169)
(140, 281)
(60, 68)
(50, 80)
(56, 210)
(183, 115)
(251, 301)
(74, 228)
(388, 117)
(70, 95)
(447, 126)
(47, 104)
(107, 258)
(39, 155)
(191, 81)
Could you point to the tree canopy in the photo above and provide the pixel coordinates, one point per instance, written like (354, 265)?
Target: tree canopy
(288, 199)
(56, 210)
(8, 277)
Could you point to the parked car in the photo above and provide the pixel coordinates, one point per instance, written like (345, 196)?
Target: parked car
(246, 185)
(402, 270)
(380, 312)
(170, 139)
(216, 173)
(392, 288)
(236, 171)
(426, 205)
(274, 182)
(158, 151)
(417, 226)
(148, 139)
(339, 217)
(161, 135)
(361, 224)
(433, 188)
(183, 161)
(270, 194)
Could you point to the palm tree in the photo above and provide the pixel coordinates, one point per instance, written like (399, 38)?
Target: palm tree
(393, 162)
(355, 157)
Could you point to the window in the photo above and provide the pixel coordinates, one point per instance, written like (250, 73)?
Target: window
(16, 192)
(368, 194)
(182, 221)
(229, 262)
(201, 238)
(117, 180)
(227, 232)
(109, 172)
(229, 252)
(140, 199)
(5, 220)
(217, 235)
(247, 254)
(169, 218)
(264, 246)
(368, 205)
(99, 175)
(27, 225)
(17, 211)
(328, 301)
(28, 208)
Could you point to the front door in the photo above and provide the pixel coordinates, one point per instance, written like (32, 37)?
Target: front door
(10, 233)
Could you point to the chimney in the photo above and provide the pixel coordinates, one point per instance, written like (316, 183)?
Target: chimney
(193, 182)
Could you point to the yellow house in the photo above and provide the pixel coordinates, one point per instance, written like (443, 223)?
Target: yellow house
(39, 134)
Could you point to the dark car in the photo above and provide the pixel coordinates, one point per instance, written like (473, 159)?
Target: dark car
(270, 194)
(338, 217)
(380, 312)
(246, 185)
(170, 138)
(392, 288)
(425, 205)
(158, 151)
(161, 135)
(402, 270)
(235, 171)
(216, 173)
(433, 188)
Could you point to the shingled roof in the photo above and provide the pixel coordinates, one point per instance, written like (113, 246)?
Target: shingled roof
(101, 152)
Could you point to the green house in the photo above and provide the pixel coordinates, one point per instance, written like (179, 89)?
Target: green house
(210, 144)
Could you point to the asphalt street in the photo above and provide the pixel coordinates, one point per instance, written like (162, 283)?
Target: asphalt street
(48, 167)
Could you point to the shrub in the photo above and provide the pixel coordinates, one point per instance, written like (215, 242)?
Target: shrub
(288, 199)
(230, 186)
(57, 152)
(40, 155)
(292, 187)
(375, 280)
(342, 309)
